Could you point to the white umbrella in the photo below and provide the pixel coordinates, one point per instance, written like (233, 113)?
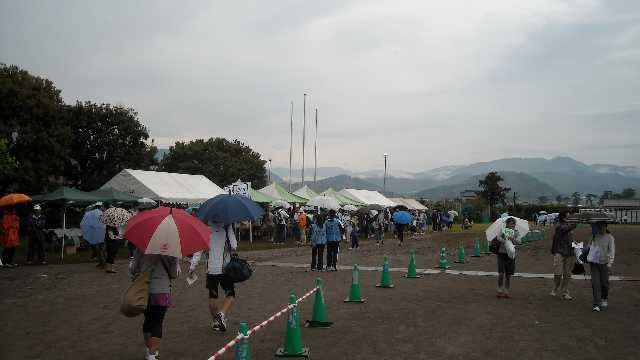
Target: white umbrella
(325, 202)
(146, 201)
(453, 213)
(542, 212)
(494, 230)
(281, 203)
(350, 208)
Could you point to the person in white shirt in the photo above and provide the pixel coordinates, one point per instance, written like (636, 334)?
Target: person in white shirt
(222, 246)
(602, 252)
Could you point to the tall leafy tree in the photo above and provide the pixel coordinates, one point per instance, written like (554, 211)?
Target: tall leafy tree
(105, 140)
(32, 123)
(576, 198)
(491, 190)
(220, 160)
(7, 162)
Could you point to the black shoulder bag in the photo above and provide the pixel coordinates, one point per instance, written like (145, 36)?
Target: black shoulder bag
(237, 270)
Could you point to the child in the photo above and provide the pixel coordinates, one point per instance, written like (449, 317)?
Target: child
(506, 263)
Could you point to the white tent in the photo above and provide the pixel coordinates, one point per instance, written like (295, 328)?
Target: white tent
(305, 192)
(168, 187)
(411, 204)
(368, 197)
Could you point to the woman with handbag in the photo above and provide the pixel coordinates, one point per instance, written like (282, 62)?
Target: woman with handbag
(222, 247)
(161, 269)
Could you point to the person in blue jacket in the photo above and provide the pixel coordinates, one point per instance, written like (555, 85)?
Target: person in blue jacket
(334, 235)
(318, 242)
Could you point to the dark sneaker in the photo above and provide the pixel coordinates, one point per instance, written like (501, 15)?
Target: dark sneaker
(222, 321)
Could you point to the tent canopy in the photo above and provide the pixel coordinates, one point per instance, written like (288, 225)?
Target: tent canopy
(67, 195)
(368, 197)
(278, 192)
(411, 204)
(259, 197)
(342, 199)
(114, 196)
(305, 192)
(168, 187)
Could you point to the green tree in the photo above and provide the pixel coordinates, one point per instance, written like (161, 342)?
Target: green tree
(7, 162)
(575, 199)
(491, 190)
(559, 199)
(32, 121)
(220, 160)
(543, 200)
(105, 140)
(590, 198)
(628, 193)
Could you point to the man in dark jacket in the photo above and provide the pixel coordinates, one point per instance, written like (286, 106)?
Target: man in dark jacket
(563, 260)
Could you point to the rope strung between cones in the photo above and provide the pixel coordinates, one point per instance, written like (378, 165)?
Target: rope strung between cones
(253, 330)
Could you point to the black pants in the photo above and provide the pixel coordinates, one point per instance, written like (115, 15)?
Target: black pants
(354, 242)
(7, 255)
(599, 283)
(132, 248)
(400, 235)
(36, 245)
(153, 319)
(317, 252)
(332, 253)
(282, 233)
(112, 246)
(98, 252)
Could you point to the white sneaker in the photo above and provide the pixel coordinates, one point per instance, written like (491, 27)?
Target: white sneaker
(596, 308)
(215, 325)
(553, 293)
(604, 304)
(567, 297)
(149, 356)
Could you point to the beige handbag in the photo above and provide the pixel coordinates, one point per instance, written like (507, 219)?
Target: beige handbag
(135, 299)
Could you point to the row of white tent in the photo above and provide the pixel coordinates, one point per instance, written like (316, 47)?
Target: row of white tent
(195, 189)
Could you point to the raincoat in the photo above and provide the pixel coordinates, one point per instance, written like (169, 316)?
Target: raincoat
(10, 230)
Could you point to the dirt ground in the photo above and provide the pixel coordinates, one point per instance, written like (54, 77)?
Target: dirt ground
(71, 311)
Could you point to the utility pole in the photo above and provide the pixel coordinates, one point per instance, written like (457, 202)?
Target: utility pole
(291, 147)
(384, 180)
(304, 131)
(315, 152)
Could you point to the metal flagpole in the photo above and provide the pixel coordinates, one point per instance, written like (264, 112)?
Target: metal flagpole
(315, 152)
(304, 131)
(291, 147)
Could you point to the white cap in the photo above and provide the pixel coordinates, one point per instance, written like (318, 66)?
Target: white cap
(37, 207)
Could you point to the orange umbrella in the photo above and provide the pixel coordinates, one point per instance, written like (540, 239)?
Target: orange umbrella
(14, 199)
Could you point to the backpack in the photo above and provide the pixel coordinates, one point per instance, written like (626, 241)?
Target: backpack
(494, 247)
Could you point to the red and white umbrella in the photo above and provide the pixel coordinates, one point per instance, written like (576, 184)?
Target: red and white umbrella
(167, 231)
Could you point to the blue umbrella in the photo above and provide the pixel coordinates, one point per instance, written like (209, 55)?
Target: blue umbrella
(402, 217)
(227, 209)
(92, 229)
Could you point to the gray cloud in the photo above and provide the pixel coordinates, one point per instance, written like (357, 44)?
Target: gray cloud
(431, 83)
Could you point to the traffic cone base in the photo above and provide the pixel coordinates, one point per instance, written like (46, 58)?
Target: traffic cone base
(303, 354)
(411, 277)
(390, 286)
(318, 324)
(361, 301)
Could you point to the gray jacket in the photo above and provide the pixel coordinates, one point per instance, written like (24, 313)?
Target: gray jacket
(160, 277)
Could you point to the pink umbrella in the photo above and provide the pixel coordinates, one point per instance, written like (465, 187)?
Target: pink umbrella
(167, 231)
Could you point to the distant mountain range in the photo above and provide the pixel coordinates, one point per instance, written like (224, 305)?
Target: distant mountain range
(529, 177)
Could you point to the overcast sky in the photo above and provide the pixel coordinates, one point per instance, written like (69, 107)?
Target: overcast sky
(432, 83)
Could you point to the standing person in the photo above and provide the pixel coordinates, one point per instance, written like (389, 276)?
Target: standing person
(563, 260)
(506, 264)
(36, 236)
(334, 236)
(163, 269)
(282, 217)
(354, 237)
(400, 231)
(10, 237)
(302, 226)
(268, 222)
(318, 243)
(93, 231)
(222, 247)
(380, 220)
(112, 238)
(602, 252)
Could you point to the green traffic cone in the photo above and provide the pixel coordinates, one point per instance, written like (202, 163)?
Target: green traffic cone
(411, 270)
(487, 247)
(477, 252)
(293, 339)
(443, 264)
(385, 278)
(461, 258)
(243, 351)
(354, 294)
(319, 318)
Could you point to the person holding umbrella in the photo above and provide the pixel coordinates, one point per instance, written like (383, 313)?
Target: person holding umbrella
(220, 212)
(93, 231)
(161, 236)
(506, 263)
(10, 236)
(114, 219)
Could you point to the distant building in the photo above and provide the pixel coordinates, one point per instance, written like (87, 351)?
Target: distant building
(625, 210)
(468, 195)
